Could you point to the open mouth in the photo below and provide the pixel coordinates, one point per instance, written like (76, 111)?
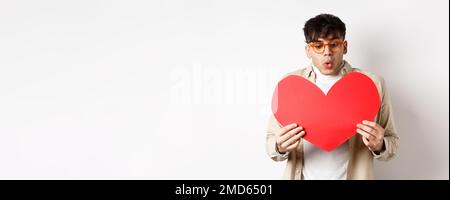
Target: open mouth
(328, 64)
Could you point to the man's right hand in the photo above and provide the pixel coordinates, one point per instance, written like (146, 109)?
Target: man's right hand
(288, 137)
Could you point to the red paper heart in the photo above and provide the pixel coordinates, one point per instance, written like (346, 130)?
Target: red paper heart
(329, 120)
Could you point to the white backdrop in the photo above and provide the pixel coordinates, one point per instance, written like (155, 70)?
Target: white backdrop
(181, 89)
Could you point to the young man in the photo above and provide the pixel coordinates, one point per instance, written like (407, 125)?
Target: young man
(326, 46)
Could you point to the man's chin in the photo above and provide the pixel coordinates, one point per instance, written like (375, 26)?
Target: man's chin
(328, 71)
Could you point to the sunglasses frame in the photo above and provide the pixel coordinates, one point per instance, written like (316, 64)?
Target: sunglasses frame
(337, 48)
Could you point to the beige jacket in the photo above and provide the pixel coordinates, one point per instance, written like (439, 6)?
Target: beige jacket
(360, 165)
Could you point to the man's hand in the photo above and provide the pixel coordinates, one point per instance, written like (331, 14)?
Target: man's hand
(372, 135)
(288, 137)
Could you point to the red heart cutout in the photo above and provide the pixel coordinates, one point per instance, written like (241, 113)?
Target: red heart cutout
(328, 120)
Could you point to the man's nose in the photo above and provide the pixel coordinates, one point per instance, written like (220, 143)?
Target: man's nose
(327, 51)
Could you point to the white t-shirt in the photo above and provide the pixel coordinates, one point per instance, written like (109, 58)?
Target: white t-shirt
(320, 164)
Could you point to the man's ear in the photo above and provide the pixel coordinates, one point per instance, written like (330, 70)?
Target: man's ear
(307, 51)
(345, 47)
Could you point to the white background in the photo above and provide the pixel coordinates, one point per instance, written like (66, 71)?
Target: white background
(182, 89)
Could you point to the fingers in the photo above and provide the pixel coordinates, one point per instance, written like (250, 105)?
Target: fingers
(371, 145)
(371, 130)
(372, 134)
(293, 146)
(286, 129)
(292, 140)
(372, 124)
(365, 140)
(369, 123)
(365, 134)
(290, 134)
(367, 143)
(288, 137)
(367, 129)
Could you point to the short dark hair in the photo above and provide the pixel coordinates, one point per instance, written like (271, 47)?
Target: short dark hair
(322, 26)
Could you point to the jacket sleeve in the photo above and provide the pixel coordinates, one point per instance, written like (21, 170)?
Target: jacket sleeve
(271, 147)
(385, 119)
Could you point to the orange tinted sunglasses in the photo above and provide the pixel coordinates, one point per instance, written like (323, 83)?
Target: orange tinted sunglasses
(333, 45)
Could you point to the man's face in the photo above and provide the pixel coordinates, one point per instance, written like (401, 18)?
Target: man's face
(327, 54)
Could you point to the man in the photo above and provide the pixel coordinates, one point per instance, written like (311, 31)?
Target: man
(326, 46)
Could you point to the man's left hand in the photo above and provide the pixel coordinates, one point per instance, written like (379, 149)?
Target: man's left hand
(372, 135)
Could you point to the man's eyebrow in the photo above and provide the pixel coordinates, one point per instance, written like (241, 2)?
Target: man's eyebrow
(326, 39)
(333, 38)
